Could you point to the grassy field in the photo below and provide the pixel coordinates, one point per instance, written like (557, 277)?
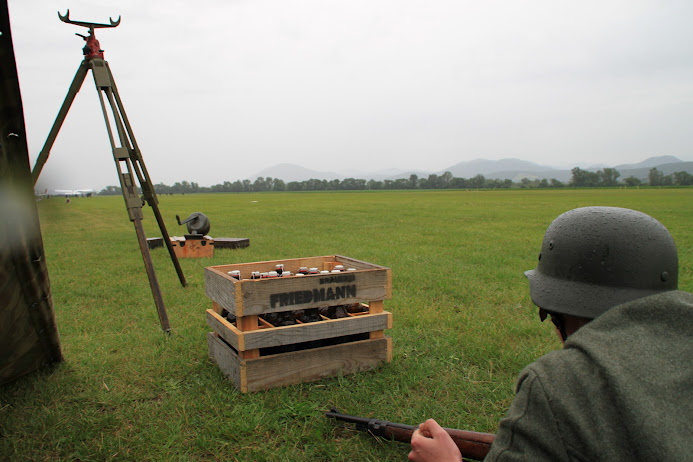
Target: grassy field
(464, 325)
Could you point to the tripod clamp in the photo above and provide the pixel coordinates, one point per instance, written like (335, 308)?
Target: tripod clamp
(92, 49)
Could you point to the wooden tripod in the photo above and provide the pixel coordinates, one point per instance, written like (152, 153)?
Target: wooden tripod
(126, 154)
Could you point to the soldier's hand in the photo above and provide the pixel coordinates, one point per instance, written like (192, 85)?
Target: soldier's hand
(430, 443)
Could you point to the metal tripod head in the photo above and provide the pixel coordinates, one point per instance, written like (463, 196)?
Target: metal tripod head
(90, 25)
(92, 49)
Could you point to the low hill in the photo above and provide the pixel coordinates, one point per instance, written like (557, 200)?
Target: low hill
(469, 169)
(666, 164)
(513, 169)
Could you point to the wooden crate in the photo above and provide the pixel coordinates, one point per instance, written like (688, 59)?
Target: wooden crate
(246, 351)
(193, 248)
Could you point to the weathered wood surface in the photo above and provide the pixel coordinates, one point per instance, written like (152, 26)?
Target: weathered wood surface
(377, 307)
(368, 283)
(193, 248)
(307, 365)
(248, 324)
(326, 262)
(298, 366)
(29, 338)
(155, 242)
(220, 287)
(230, 333)
(235, 347)
(228, 361)
(358, 264)
(279, 336)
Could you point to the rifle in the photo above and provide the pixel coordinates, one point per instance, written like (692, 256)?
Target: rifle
(472, 445)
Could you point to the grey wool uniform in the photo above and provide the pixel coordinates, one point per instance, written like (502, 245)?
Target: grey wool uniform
(621, 389)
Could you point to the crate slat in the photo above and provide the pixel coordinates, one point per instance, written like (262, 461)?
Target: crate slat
(287, 335)
(228, 361)
(298, 366)
(247, 297)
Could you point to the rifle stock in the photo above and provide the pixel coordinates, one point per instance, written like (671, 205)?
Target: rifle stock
(472, 445)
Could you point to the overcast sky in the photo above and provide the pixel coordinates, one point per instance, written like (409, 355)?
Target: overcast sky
(218, 90)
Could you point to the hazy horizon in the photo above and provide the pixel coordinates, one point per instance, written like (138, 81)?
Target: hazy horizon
(219, 90)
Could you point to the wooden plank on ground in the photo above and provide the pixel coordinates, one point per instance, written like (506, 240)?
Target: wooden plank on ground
(231, 242)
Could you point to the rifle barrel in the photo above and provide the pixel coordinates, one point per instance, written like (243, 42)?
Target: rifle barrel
(472, 445)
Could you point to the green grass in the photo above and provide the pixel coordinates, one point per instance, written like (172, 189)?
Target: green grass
(464, 325)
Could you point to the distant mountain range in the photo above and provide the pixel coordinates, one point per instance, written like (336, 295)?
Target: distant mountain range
(293, 172)
(512, 169)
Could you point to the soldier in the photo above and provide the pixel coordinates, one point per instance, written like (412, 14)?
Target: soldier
(622, 386)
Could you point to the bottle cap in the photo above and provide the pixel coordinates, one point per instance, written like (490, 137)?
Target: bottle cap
(235, 274)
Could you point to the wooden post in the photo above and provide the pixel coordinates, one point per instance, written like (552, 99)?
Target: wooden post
(376, 307)
(247, 323)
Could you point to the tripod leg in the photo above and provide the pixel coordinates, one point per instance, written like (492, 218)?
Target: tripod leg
(133, 203)
(143, 177)
(167, 239)
(153, 282)
(69, 98)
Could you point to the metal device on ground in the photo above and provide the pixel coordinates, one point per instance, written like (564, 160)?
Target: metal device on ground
(197, 224)
(126, 153)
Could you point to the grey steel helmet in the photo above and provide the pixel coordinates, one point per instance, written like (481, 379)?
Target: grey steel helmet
(595, 258)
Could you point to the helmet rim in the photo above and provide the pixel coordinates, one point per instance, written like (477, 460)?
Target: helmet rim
(594, 299)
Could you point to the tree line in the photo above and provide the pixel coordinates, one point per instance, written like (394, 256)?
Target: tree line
(607, 177)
